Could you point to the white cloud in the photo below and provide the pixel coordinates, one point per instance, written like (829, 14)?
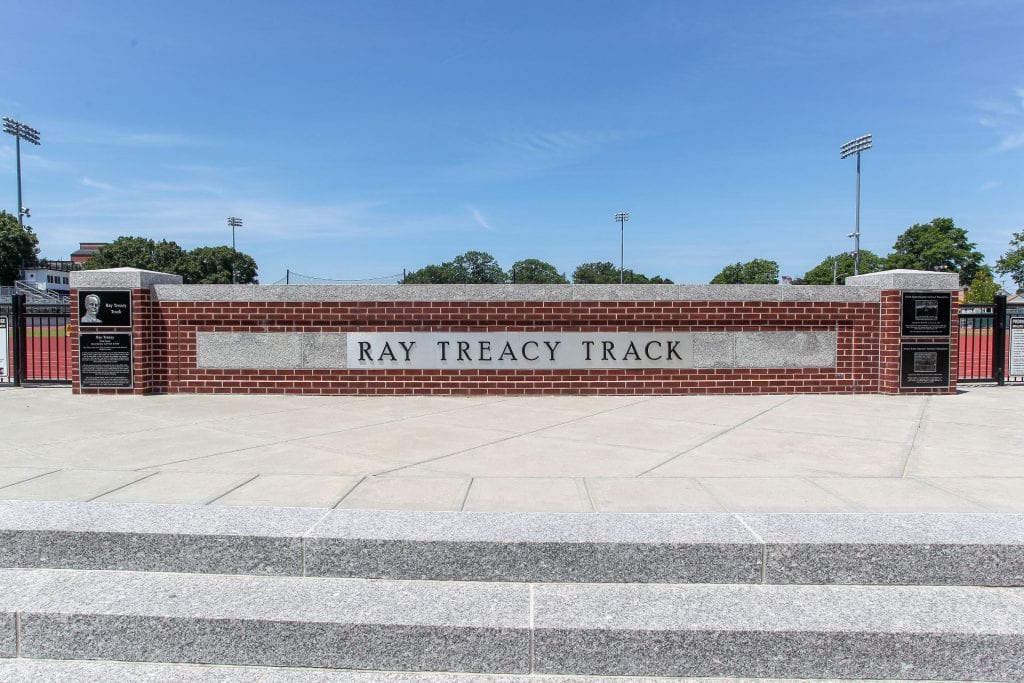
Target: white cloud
(481, 220)
(1006, 118)
(990, 185)
(526, 153)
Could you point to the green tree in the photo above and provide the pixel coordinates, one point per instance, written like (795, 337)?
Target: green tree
(938, 245)
(479, 267)
(821, 274)
(1012, 262)
(607, 273)
(214, 265)
(756, 272)
(983, 289)
(473, 267)
(536, 272)
(139, 252)
(432, 275)
(19, 247)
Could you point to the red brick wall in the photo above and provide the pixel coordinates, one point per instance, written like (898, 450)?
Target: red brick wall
(171, 345)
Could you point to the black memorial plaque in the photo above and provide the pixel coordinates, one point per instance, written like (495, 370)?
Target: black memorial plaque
(105, 360)
(926, 314)
(104, 308)
(924, 365)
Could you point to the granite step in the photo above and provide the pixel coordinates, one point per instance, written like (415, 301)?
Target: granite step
(83, 671)
(632, 630)
(847, 548)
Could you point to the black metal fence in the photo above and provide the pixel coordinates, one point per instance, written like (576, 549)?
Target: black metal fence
(38, 342)
(986, 335)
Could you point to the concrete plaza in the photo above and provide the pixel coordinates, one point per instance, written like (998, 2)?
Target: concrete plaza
(806, 453)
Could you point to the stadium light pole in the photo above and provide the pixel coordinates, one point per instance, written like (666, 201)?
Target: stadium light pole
(20, 132)
(856, 146)
(622, 218)
(234, 222)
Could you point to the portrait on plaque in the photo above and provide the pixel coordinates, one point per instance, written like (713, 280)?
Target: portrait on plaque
(105, 308)
(92, 309)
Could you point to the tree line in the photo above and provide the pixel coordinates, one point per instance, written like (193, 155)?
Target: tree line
(19, 248)
(938, 245)
(479, 267)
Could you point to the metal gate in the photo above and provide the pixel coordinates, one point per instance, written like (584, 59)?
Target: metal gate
(37, 343)
(987, 337)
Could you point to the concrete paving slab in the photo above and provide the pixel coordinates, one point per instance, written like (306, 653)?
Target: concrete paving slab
(994, 494)
(14, 475)
(613, 429)
(196, 488)
(146, 449)
(714, 410)
(520, 494)
(773, 494)
(509, 438)
(297, 424)
(871, 426)
(650, 495)
(880, 494)
(532, 455)
(409, 441)
(946, 461)
(290, 490)
(517, 414)
(81, 485)
(74, 429)
(749, 452)
(1005, 438)
(296, 457)
(413, 493)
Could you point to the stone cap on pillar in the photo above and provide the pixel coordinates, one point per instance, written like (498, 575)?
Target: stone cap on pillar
(907, 279)
(121, 278)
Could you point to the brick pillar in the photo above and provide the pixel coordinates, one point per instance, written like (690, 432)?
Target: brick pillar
(900, 347)
(118, 291)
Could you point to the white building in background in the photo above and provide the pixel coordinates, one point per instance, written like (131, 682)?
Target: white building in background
(49, 276)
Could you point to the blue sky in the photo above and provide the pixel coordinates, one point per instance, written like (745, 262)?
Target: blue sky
(356, 139)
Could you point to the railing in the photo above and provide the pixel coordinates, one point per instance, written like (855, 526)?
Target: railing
(39, 341)
(985, 341)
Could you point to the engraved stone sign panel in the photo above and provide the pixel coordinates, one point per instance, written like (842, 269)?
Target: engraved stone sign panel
(926, 314)
(924, 365)
(105, 308)
(520, 350)
(105, 360)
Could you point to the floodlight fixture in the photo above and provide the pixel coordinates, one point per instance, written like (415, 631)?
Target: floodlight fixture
(20, 131)
(621, 218)
(856, 146)
(234, 222)
(861, 144)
